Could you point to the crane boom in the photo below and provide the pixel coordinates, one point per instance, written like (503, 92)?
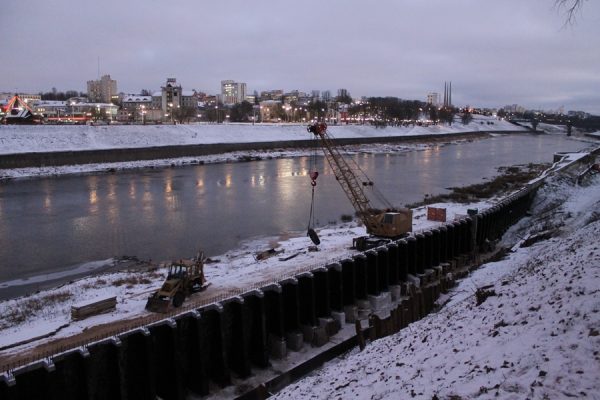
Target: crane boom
(344, 175)
(389, 224)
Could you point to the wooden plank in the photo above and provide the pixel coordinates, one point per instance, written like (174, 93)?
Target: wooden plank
(79, 312)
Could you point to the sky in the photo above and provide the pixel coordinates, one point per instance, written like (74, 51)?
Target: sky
(494, 52)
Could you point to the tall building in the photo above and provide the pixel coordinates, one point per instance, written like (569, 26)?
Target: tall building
(102, 90)
(172, 97)
(233, 92)
(326, 95)
(433, 98)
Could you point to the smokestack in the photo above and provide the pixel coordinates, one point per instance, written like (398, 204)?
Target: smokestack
(445, 94)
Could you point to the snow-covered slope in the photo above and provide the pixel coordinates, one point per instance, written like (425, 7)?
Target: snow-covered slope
(48, 138)
(537, 337)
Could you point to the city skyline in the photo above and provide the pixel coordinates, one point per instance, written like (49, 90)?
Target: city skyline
(495, 54)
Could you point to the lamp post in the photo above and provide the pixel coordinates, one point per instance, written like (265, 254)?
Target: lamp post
(171, 111)
(143, 112)
(287, 113)
(254, 108)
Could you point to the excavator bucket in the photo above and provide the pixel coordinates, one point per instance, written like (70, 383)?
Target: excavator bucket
(157, 304)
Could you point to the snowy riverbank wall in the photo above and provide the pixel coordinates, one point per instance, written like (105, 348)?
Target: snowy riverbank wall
(78, 157)
(206, 348)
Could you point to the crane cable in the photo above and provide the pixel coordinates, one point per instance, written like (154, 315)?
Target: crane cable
(311, 215)
(313, 173)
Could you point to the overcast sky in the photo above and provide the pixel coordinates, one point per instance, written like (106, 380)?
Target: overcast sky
(494, 52)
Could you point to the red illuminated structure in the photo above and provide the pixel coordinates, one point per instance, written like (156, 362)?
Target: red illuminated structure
(18, 112)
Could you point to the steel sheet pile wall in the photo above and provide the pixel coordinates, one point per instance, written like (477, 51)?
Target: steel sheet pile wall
(202, 350)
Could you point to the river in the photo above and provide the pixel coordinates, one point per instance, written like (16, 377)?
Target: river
(59, 227)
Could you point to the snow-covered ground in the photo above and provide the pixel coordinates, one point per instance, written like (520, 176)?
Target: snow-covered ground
(48, 138)
(536, 337)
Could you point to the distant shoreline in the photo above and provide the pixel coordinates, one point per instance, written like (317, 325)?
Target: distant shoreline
(79, 157)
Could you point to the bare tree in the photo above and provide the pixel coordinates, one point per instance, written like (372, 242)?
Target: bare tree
(571, 7)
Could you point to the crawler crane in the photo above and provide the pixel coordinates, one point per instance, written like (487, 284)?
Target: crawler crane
(382, 226)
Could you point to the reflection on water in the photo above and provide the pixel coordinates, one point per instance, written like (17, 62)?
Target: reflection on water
(47, 198)
(132, 190)
(52, 223)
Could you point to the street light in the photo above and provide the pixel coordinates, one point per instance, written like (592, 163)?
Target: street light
(143, 112)
(254, 108)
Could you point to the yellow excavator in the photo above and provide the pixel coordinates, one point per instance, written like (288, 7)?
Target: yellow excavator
(382, 225)
(184, 277)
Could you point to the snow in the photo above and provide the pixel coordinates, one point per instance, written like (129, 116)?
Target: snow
(52, 138)
(594, 134)
(537, 337)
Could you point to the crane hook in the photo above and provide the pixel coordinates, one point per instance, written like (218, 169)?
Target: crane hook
(313, 178)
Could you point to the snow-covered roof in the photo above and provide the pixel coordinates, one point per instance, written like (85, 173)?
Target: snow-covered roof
(137, 99)
(51, 103)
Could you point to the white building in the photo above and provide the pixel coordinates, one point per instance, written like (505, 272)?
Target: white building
(75, 111)
(433, 98)
(26, 97)
(233, 92)
(134, 101)
(103, 90)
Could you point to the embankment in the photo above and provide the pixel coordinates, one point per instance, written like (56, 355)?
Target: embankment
(77, 157)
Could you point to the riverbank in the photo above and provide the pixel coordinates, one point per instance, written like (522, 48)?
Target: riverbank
(253, 153)
(59, 138)
(52, 150)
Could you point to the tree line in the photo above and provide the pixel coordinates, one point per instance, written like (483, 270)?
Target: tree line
(55, 95)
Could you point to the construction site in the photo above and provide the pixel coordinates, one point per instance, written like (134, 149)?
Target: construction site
(241, 338)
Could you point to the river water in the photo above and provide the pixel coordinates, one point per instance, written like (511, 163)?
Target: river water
(62, 226)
